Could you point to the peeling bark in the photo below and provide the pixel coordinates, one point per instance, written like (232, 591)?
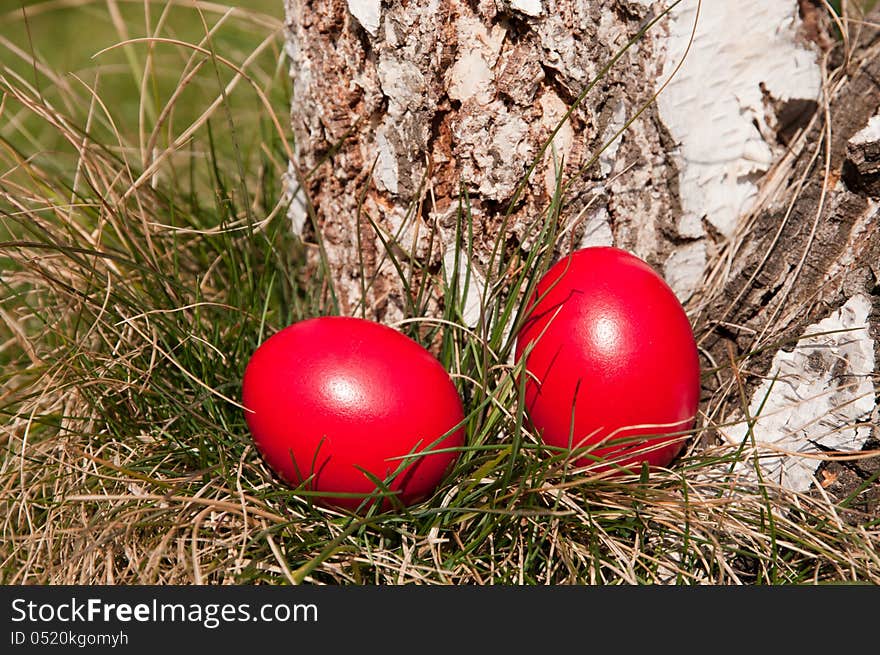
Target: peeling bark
(812, 242)
(808, 263)
(817, 398)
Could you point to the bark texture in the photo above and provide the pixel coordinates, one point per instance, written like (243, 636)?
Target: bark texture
(813, 241)
(807, 262)
(398, 105)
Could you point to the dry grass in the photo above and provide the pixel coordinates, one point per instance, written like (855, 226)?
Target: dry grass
(146, 254)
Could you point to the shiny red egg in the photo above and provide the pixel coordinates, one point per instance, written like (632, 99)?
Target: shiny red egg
(613, 367)
(332, 401)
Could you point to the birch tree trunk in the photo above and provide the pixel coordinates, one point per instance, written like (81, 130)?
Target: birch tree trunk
(751, 183)
(395, 104)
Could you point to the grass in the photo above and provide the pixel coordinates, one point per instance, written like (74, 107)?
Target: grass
(144, 255)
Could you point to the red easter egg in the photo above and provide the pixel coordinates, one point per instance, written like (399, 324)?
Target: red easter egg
(613, 364)
(328, 399)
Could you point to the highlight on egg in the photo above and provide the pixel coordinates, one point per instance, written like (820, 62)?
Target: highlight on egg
(611, 363)
(335, 404)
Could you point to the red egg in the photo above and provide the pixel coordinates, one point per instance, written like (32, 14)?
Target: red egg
(613, 366)
(330, 401)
